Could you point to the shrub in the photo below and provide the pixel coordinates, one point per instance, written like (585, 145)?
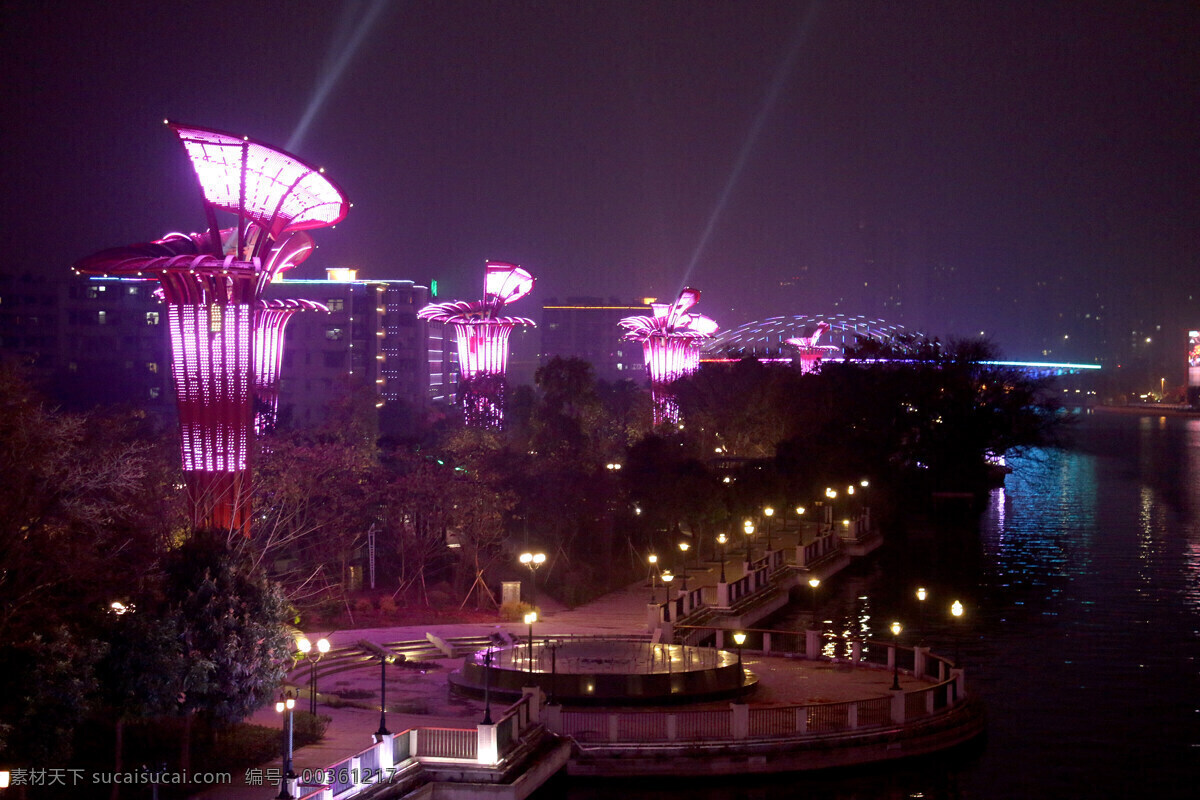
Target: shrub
(515, 612)
(387, 605)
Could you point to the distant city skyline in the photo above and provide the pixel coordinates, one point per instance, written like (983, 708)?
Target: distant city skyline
(1022, 169)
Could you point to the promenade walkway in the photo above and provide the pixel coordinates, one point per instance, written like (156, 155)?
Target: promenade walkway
(419, 695)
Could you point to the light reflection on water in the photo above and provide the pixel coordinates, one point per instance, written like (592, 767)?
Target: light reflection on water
(1081, 582)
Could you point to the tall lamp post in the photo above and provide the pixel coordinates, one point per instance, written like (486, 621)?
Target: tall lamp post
(653, 559)
(896, 656)
(533, 561)
(921, 595)
(956, 610)
(287, 702)
(721, 540)
(384, 660)
(683, 548)
(768, 512)
(748, 529)
(531, 618)
(814, 583)
(312, 656)
(739, 639)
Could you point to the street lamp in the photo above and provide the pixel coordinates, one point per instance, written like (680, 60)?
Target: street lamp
(921, 595)
(748, 529)
(384, 660)
(667, 577)
(896, 656)
(721, 540)
(768, 512)
(533, 561)
(312, 656)
(739, 639)
(531, 618)
(683, 548)
(487, 681)
(814, 583)
(287, 702)
(653, 559)
(957, 611)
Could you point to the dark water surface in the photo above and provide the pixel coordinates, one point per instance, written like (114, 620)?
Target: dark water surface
(1081, 582)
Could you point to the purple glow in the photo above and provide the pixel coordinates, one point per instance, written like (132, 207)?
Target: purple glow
(810, 353)
(671, 339)
(482, 336)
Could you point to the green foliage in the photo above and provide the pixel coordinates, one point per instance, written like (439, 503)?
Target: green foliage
(235, 647)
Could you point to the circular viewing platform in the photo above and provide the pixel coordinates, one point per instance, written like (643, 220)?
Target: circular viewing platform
(608, 672)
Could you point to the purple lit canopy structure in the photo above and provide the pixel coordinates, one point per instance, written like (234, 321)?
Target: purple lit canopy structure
(482, 338)
(671, 339)
(212, 283)
(809, 353)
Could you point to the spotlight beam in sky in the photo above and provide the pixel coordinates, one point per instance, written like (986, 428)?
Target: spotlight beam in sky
(345, 44)
(768, 103)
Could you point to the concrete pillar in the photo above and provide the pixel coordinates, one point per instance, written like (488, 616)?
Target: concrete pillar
(919, 654)
(766, 647)
(852, 716)
(652, 617)
(802, 719)
(891, 656)
(800, 555)
(856, 651)
(720, 639)
(488, 750)
(723, 595)
(614, 729)
(959, 682)
(898, 708)
(536, 698)
(672, 728)
(812, 645)
(740, 726)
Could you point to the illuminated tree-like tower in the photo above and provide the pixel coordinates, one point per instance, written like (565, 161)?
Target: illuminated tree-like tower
(212, 283)
(671, 339)
(810, 354)
(270, 321)
(482, 337)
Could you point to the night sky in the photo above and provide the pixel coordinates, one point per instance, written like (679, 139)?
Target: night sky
(1026, 169)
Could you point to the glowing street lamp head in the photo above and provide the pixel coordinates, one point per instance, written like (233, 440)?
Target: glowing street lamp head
(957, 609)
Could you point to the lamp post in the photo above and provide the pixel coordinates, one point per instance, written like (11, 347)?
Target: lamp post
(683, 548)
(921, 595)
(533, 561)
(487, 683)
(896, 656)
(531, 618)
(956, 610)
(748, 529)
(739, 639)
(384, 660)
(285, 706)
(312, 656)
(721, 540)
(667, 577)
(814, 583)
(653, 559)
(769, 513)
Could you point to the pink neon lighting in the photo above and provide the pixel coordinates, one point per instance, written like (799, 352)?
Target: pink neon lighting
(482, 334)
(810, 353)
(270, 321)
(671, 339)
(272, 188)
(226, 344)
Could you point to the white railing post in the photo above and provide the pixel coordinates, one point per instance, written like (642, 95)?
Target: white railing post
(812, 645)
(800, 561)
(856, 651)
(535, 703)
(553, 719)
(802, 719)
(384, 749)
(356, 771)
(740, 724)
(766, 643)
(672, 728)
(614, 728)
(919, 654)
(898, 708)
(960, 682)
(723, 595)
(852, 716)
(488, 750)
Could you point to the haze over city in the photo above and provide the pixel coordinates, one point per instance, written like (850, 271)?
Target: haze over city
(1026, 170)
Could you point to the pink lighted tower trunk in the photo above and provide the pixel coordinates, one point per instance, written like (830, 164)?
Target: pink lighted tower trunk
(212, 283)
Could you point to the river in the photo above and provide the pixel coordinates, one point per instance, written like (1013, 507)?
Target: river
(1081, 583)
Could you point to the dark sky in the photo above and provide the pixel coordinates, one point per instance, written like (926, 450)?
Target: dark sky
(1019, 168)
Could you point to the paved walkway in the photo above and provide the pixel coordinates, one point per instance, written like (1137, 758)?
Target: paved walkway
(422, 697)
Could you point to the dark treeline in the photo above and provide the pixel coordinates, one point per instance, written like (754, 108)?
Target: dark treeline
(92, 514)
